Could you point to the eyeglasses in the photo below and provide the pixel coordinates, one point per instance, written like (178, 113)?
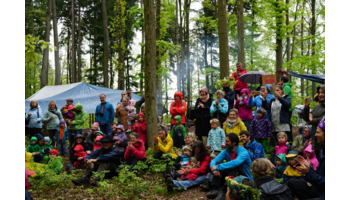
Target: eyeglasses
(94, 129)
(132, 138)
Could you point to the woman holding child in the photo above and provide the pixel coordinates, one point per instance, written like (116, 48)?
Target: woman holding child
(121, 112)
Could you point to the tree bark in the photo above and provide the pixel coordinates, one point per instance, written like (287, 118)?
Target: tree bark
(158, 60)
(240, 30)
(105, 43)
(95, 43)
(150, 68)
(68, 58)
(142, 53)
(188, 54)
(45, 63)
(55, 38)
(313, 40)
(206, 58)
(302, 49)
(223, 39)
(288, 38)
(79, 44)
(177, 52)
(74, 76)
(278, 44)
(121, 50)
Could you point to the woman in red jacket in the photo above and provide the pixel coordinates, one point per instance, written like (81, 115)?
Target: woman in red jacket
(135, 151)
(140, 128)
(178, 107)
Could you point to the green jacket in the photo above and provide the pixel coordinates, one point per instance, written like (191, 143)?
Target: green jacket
(52, 124)
(33, 148)
(47, 145)
(55, 164)
(298, 144)
(287, 87)
(177, 126)
(79, 117)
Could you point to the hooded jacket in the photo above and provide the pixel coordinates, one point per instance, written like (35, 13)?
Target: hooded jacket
(257, 101)
(291, 173)
(33, 166)
(52, 124)
(216, 138)
(98, 138)
(165, 146)
(140, 128)
(313, 160)
(79, 117)
(122, 114)
(108, 113)
(73, 158)
(239, 84)
(280, 169)
(299, 140)
(287, 87)
(179, 125)
(138, 150)
(229, 96)
(255, 150)
(80, 148)
(221, 111)
(92, 138)
(33, 148)
(242, 159)
(261, 128)
(55, 164)
(284, 110)
(178, 108)
(122, 138)
(281, 148)
(244, 111)
(236, 129)
(65, 136)
(66, 114)
(317, 177)
(37, 114)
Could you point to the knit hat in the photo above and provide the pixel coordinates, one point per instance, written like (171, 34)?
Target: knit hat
(214, 121)
(163, 127)
(46, 139)
(79, 136)
(96, 124)
(204, 89)
(39, 136)
(78, 148)
(55, 151)
(70, 107)
(261, 110)
(322, 124)
(62, 121)
(187, 148)
(33, 138)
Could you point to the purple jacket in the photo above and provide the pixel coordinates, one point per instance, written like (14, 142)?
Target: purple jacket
(244, 111)
(121, 137)
(261, 128)
(67, 115)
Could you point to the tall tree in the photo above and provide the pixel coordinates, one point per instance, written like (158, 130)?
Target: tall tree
(150, 68)
(74, 67)
(240, 31)
(45, 63)
(279, 46)
(79, 43)
(223, 39)
(188, 53)
(177, 52)
(313, 40)
(105, 43)
(158, 60)
(55, 38)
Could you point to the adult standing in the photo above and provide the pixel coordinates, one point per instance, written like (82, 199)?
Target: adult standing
(104, 115)
(219, 107)
(105, 158)
(79, 139)
(315, 116)
(123, 95)
(280, 115)
(34, 116)
(237, 162)
(122, 113)
(257, 100)
(80, 116)
(178, 107)
(284, 81)
(69, 115)
(239, 84)
(244, 111)
(202, 109)
(254, 148)
(234, 124)
(229, 95)
(135, 151)
(52, 117)
(64, 109)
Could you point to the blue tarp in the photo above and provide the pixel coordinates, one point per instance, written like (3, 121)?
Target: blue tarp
(311, 77)
(84, 93)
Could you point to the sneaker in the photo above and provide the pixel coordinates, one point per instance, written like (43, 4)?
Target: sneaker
(170, 184)
(221, 196)
(81, 181)
(213, 194)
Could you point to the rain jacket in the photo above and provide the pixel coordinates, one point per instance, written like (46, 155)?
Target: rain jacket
(313, 160)
(121, 137)
(104, 155)
(255, 150)
(178, 108)
(257, 101)
(230, 97)
(79, 117)
(66, 114)
(280, 169)
(138, 150)
(45, 150)
(108, 113)
(55, 164)
(236, 129)
(261, 128)
(178, 133)
(52, 124)
(73, 158)
(317, 177)
(216, 138)
(281, 148)
(65, 134)
(80, 148)
(239, 84)
(221, 111)
(140, 128)
(33, 148)
(245, 111)
(287, 87)
(299, 140)
(92, 138)
(36, 114)
(284, 110)
(165, 146)
(33, 166)
(242, 159)
(98, 138)
(204, 166)
(291, 173)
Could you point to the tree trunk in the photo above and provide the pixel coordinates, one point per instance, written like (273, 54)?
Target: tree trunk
(95, 43)
(158, 60)
(79, 44)
(206, 58)
(182, 51)
(288, 38)
(313, 40)
(111, 71)
(223, 39)
(74, 76)
(278, 43)
(240, 30)
(188, 54)
(294, 31)
(302, 49)
(68, 58)
(45, 63)
(177, 52)
(55, 38)
(150, 68)
(105, 43)
(142, 53)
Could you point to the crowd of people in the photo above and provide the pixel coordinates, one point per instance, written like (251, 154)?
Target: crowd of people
(242, 146)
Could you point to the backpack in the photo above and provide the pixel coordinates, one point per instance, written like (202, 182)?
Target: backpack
(274, 190)
(182, 102)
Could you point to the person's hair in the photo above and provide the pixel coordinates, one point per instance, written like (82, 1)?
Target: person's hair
(134, 134)
(279, 87)
(284, 134)
(143, 105)
(239, 63)
(35, 101)
(215, 121)
(220, 91)
(233, 138)
(128, 93)
(103, 95)
(250, 183)
(114, 124)
(237, 117)
(261, 167)
(52, 102)
(125, 98)
(284, 79)
(202, 148)
(248, 134)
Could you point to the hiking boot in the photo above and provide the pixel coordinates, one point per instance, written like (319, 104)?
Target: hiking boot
(81, 181)
(221, 196)
(167, 171)
(205, 185)
(213, 194)
(170, 184)
(95, 182)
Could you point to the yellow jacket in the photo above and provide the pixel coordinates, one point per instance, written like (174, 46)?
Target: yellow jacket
(165, 146)
(237, 129)
(290, 171)
(33, 166)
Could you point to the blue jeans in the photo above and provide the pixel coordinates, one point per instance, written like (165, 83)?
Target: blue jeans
(106, 129)
(62, 147)
(247, 123)
(189, 183)
(72, 136)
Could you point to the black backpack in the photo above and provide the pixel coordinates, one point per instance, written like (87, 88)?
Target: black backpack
(274, 190)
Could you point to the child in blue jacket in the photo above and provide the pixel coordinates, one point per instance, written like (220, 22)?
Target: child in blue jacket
(216, 137)
(61, 137)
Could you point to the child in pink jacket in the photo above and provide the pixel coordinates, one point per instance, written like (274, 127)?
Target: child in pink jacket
(244, 111)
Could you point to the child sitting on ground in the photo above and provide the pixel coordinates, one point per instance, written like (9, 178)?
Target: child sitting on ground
(281, 164)
(81, 154)
(309, 153)
(261, 129)
(119, 138)
(291, 171)
(283, 146)
(34, 148)
(61, 137)
(131, 113)
(178, 133)
(192, 165)
(97, 144)
(41, 145)
(216, 137)
(47, 147)
(55, 163)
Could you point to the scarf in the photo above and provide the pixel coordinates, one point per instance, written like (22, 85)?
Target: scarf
(205, 98)
(230, 123)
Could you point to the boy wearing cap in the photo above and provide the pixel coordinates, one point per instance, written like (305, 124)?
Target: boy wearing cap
(61, 137)
(55, 163)
(291, 171)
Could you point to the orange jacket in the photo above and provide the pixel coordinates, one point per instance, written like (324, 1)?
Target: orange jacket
(178, 109)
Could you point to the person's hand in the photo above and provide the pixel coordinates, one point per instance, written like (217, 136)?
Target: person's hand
(268, 138)
(136, 124)
(93, 160)
(30, 114)
(80, 158)
(223, 146)
(88, 152)
(69, 122)
(181, 171)
(252, 93)
(237, 97)
(306, 144)
(304, 167)
(213, 168)
(224, 92)
(118, 142)
(200, 104)
(130, 145)
(217, 102)
(310, 117)
(51, 117)
(173, 108)
(208, 147)
(35, 120)
(37, 153)
(155, 139)
(277, 95)
(114, 137)
(238, 74)
(179, 153)
(186, 171)
(306, 104)
(217, 173)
